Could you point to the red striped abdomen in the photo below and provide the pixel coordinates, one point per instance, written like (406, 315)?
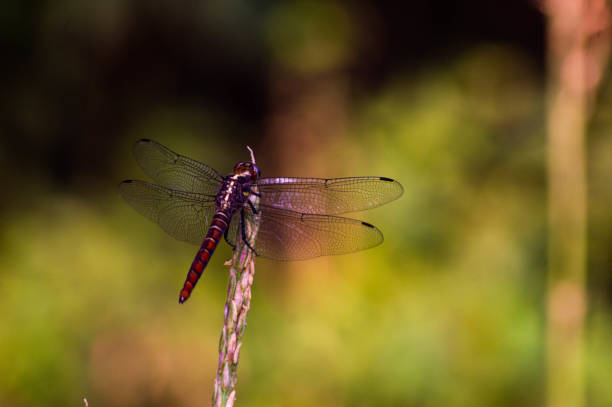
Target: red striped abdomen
(217, 228)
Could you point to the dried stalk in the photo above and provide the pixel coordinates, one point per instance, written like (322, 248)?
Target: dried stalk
(241, 273)
(578, 47)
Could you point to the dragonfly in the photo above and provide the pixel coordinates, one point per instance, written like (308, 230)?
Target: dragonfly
(297, 218)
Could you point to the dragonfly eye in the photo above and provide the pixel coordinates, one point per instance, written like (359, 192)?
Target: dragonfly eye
(247, 170)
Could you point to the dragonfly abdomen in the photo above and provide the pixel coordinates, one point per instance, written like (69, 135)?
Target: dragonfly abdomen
(217, 228)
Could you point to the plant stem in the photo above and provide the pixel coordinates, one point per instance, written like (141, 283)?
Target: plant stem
(242, 269)
(241, 273)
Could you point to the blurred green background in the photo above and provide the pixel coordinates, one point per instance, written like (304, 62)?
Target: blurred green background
(447, 98)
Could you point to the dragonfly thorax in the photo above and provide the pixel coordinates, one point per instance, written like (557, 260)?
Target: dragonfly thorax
(230, 196)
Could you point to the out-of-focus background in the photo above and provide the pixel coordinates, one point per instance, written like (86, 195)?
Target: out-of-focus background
(449, 98)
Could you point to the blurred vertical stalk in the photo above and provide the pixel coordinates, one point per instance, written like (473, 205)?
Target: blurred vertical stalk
(578, 43)
(314, 45)
(241, 273)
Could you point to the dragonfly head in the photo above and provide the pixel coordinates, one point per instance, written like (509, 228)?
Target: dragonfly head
(247, 171)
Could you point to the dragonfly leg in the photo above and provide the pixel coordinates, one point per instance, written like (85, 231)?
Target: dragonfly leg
(255, 211)
(243, 230)
(227, 239)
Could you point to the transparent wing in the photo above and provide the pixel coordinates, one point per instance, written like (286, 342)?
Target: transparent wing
(288, 235)
(175, 171)
(183, 215)
(328, 196)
